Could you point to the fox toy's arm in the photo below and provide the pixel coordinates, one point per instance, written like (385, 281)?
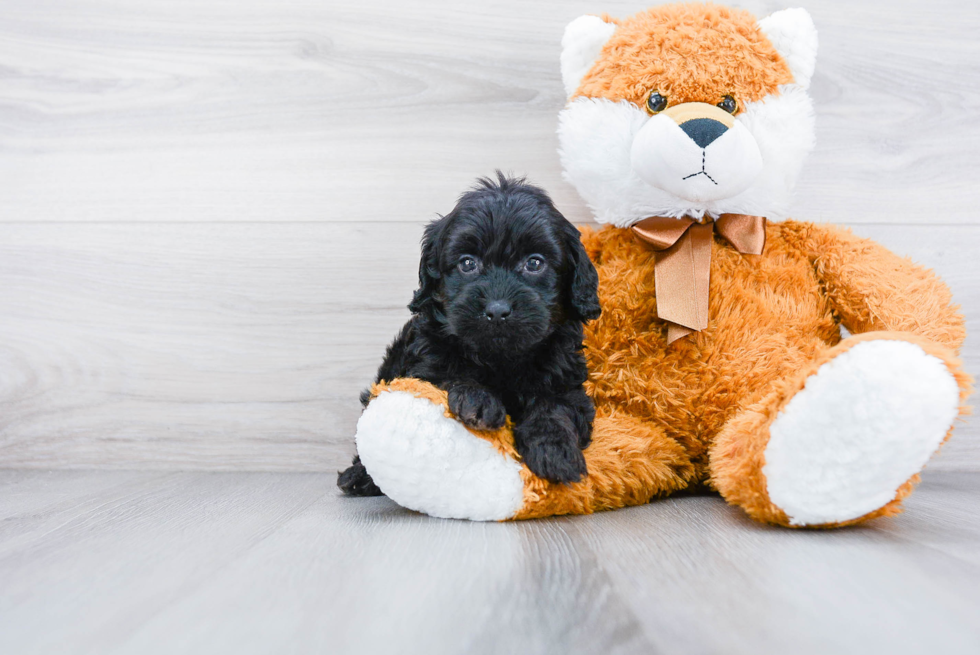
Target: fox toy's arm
(870, 288)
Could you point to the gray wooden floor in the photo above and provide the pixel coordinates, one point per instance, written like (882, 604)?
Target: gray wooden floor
(156, 562)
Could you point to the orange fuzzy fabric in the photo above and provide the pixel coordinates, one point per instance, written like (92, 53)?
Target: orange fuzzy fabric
(689, 53)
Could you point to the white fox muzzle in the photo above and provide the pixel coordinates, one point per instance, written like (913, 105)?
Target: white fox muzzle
(697, 152)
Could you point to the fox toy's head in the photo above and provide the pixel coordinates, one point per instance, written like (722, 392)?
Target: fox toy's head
(691, 109)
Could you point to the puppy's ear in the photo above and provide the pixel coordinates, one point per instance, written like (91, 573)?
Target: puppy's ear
(581, 279)
(429, 273)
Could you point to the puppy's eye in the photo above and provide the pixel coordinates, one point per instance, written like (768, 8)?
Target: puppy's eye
(534, 264)
(656, 103)
(729, 104)
(468, 264)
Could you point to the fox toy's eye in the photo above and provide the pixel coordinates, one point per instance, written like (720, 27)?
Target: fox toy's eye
(656, 103)
(534, 264)
(729, 104)
(468, 264)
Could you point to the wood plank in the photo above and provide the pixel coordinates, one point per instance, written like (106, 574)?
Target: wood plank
(273, 562)
(407, 583)
(710, 575)
(24, 493)
(327, 574)
(228, 346)
(104, 567)
(943, 515)
(244, 346)
(322, 110)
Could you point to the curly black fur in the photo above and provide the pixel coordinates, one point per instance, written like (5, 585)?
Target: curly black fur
(504, 289)
(355, 481)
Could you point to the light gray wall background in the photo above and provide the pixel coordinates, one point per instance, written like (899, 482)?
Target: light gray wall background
(210, 209)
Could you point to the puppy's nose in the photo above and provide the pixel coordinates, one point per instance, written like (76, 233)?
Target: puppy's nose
(703, 131)
(497, 310)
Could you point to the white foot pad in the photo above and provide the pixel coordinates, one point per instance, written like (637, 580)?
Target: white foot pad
(430, 463)
(865, 423)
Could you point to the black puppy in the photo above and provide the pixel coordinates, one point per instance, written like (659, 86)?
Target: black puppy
(504, 288)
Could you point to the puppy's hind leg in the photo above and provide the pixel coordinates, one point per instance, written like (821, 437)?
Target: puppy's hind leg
(356, 481)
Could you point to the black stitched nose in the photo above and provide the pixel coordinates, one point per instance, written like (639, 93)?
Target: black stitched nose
(497, 310)
(704, 130)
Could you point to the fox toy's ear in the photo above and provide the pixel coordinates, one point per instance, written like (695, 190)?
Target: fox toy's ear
(580, 47)
(429, 273)
(794, 35)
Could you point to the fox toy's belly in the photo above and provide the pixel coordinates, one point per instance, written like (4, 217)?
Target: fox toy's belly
(767, 318)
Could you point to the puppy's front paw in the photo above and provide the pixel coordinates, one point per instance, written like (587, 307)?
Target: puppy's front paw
(477, 407)
(548, 444)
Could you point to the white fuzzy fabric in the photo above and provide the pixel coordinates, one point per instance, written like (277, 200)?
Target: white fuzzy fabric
(864, 424)
(793, 34)
(430, 463)
(664, 156)
(580, 46)
(596, 138)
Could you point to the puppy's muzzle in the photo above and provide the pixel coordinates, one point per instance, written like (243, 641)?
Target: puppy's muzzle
(696, 151)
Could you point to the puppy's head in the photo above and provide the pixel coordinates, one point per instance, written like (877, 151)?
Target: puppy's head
(504, 268)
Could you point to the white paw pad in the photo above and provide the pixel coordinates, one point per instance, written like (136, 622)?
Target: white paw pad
(430, 463)
(866, 422)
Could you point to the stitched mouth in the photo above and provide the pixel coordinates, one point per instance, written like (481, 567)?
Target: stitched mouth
(702, 171)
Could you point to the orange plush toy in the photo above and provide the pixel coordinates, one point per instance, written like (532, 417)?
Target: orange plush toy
(718, 361)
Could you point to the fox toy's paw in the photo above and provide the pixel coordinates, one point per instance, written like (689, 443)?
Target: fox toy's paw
(845, 441)
(425, 460)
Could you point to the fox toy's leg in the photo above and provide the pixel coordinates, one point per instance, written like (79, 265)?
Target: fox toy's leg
(844, 440)
(629, 461)
(425, 460)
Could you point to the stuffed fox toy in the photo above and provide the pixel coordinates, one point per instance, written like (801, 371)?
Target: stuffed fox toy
(718, 362)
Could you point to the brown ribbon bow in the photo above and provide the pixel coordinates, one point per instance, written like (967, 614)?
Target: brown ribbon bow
(683, 267)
